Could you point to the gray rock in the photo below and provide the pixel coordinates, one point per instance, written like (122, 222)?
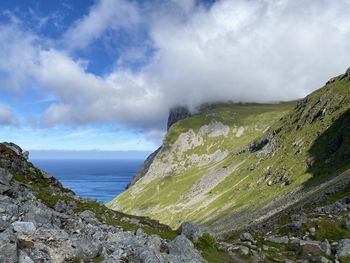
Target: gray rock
(24, 258)
(347, 223)
(292, 227)
(24, 227)
(343, 248)
(278, 240)
(5, 177)
(3, 225)
(191, 230)
(347, 72)
(4, 188)
(18, 150)
(8, 246)
(38, 213)
(247, 237)
(154, 242)
(326, 247)
(244, 250)
(183, 247)
(87, 214)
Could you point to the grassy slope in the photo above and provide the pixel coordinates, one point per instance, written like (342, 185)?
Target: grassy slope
(306, 151)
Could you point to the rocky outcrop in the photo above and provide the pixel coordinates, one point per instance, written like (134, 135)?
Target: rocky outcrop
(177, 114)
(144, 167)
(18, 150)
(40, 221)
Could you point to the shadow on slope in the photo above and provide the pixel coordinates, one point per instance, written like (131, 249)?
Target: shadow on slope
(330, 152)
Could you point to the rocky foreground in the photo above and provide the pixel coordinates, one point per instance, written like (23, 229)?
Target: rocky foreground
(40, 221)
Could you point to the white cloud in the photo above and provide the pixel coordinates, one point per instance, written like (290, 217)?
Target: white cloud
(236, 50)
(6, 116)
(104, 15)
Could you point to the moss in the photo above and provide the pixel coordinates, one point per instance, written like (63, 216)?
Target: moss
(98, 259)
(332, 230)
(210, 250)
(76, 260)
(344, 259)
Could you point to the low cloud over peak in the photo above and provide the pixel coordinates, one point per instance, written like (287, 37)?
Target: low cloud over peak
(178, 53)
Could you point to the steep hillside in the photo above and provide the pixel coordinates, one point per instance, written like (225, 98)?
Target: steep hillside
(236, 164)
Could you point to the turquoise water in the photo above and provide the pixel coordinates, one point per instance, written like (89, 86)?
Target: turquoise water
(100, 180)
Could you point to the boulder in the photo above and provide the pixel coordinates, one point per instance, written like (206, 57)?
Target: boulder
(343, 248)
(292, 227)
(191, 231)
(244, 250)
(326, 247)
(247, 237)
(24, 227)
(183, 247)
(38, 213)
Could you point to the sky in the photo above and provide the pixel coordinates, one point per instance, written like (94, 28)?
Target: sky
(103, 74)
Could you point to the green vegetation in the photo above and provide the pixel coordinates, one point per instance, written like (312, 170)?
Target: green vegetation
(329, 229)
(210, 250)
(307, 141)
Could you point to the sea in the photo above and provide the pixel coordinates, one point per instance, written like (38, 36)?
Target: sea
(100, 180)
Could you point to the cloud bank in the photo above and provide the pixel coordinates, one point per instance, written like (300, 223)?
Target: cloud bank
(243, 51)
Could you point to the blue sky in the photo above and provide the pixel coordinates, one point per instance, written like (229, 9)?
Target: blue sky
(103, 74)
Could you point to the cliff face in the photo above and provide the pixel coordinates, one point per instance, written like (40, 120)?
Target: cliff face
(175, 115)
(233, 165)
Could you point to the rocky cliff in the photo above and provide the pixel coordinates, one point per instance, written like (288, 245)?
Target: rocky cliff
(234, 165)
(41, 221)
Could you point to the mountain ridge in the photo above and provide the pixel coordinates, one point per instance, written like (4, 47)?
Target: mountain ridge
(309, 117)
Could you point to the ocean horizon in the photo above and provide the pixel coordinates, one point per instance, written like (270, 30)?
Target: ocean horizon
(96, 179)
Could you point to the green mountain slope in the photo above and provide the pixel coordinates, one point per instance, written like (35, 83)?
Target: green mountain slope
(235, 164)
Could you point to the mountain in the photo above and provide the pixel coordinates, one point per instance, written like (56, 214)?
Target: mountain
(260, 183)
(233, 165)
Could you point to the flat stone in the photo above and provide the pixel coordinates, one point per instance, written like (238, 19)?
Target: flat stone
(24, 227)
(278, 240)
